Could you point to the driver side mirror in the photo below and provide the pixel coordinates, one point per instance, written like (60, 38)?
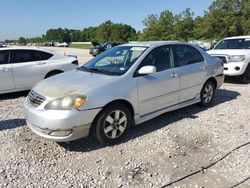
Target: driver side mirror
(149, 69)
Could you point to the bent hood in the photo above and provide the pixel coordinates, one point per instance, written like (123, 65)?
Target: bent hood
(71, 82)
(229, 52)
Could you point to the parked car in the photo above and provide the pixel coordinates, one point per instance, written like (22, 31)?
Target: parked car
(2, 45)
(63, 44)
(126, 85)
(22, 68)
(101, 47)
(235, 54)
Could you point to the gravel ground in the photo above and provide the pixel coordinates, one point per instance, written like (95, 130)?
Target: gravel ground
(155, 153)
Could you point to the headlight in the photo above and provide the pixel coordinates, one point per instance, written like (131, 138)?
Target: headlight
(236, 58)
(66, 103)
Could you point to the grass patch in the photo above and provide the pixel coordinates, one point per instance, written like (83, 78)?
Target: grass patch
(81, 46)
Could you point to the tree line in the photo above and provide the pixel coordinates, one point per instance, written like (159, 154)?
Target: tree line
(222, 19)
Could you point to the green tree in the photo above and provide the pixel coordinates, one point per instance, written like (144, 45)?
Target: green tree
(152, 30)
(184, 25)
(22, 41)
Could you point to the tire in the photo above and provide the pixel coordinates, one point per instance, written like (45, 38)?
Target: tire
(207, 94)
(245, 78)
(113, 122)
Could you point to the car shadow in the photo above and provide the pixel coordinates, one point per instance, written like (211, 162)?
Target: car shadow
(167, 119)
(13, 95)
(234, 80)
(11, 123)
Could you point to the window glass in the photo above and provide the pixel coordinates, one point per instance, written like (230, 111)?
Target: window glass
(160, 58)
(187, 55)
(233, 44)
(19, 56)
(115, 61)
(45, 55)
(4, 57)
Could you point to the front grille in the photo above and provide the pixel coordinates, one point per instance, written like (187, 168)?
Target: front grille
(35, 98)
(223, 58)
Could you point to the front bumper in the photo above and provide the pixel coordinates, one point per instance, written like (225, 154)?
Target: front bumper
(43, 122)
(234, 69)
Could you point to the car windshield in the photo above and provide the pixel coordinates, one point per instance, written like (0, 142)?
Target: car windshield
(233, 44)
(115, 61)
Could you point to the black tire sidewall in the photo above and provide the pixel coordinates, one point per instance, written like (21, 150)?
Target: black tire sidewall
(203, 103)
(99, 123)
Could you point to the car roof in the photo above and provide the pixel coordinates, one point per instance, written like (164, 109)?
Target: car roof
(239, 37)
(154, 43)
(26, 48)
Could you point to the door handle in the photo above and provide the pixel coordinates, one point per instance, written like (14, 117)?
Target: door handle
(4, 69)
(174, 75)
(203, 68)
(41, 63)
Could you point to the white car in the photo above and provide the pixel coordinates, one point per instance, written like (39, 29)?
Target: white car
(126, 85)
(22, 68)
(63, 44)
(235, 54)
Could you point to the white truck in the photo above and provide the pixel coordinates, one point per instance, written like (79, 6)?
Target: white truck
(235, 54)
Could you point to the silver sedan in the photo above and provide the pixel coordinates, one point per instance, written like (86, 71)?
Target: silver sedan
(126, 85)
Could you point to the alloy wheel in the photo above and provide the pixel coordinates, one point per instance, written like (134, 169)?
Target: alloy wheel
(115, 124)
(208, 93)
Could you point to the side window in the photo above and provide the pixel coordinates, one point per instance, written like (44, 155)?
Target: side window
(19, 56)
(45, 55)
(4, 56)
(186, 55)
(160, 58)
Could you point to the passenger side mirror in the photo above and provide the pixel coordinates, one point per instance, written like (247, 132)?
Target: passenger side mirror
(149, 69)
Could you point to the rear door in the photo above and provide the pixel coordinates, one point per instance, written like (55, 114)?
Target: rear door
(28, 67)
(6, 77)
(192, 69)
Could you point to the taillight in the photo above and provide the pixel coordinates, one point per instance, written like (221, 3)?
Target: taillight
(75, 63)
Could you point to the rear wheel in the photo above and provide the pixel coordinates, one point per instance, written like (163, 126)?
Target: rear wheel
(207, 93)
(112, 123)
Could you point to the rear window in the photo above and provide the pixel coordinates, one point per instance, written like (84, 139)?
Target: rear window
(45, 55)
(19, 56)
(187, 55)
(4, 55)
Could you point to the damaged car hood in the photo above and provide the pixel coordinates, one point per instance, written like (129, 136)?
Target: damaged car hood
(71, 82)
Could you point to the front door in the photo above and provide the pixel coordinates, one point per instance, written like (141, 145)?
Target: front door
(161, 89)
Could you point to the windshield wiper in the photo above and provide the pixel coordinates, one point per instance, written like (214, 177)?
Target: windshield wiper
(99, 70)
(83, 68)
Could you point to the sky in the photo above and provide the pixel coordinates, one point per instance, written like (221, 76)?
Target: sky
(30, 18)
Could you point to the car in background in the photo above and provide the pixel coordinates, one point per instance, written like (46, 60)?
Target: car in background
(63, 44)
(21, 68)
(235, 54)
(101, 47)
(128, 84)
(204, 45)
(3, 46)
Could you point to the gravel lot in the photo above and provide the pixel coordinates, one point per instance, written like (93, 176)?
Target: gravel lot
(155, 153)
(82, 54)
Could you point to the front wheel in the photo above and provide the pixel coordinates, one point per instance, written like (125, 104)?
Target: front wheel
(245, 78)
(207, 93)
(112, 124)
